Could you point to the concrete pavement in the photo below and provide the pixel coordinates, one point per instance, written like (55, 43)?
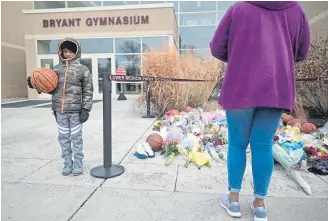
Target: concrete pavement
(34, 189)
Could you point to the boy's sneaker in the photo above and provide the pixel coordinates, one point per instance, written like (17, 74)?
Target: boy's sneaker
(78, 168)
(67, 170)
(148, 150)
(233, 209)
(259, 213)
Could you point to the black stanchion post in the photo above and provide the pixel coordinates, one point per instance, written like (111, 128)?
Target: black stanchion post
(107, 170)
(148, 101)
(121, 97)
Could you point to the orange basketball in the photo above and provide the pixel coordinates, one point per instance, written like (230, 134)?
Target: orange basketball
(308, 128)
(173, 112)
(155, 141)
(44, 80)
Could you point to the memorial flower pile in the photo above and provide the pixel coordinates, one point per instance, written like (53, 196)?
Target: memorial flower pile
(199, 137)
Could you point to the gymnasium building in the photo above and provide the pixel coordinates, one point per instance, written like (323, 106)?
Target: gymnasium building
(112, 34)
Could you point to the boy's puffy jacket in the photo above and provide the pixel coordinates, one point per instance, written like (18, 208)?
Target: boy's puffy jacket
(75, 88)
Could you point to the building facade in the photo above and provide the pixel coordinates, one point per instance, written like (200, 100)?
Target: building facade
(112, 34)
(110, 37)
(13, 65)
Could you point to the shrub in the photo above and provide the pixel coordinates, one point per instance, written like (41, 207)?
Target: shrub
(177, 95)
(312, 90)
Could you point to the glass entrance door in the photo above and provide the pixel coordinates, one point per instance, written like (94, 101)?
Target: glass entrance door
(46, 61)
(98, 64)
(104, 65)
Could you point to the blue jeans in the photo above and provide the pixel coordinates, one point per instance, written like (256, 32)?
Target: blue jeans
(256, 126)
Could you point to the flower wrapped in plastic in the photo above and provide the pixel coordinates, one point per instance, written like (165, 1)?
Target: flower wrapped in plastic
(287, 161)
(170, 150)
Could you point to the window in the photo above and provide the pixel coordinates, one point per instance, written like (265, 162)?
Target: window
(196, 6)
(75, 4)
(47, 46)
(175, 3)
(47, 63)
(156, 43)
(201, 53)
(196, 37)
(224, 6)
(87, 62)
(198, 19)
(220, 15)
(128, 45)
(152, 2)
(97, 45)
(111, 3)
(104, 65)
(48, 4)
(132, 65)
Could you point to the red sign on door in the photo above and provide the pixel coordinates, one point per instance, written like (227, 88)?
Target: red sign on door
(120, 71)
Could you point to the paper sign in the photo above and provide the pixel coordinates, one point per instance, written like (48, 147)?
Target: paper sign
(120, 71)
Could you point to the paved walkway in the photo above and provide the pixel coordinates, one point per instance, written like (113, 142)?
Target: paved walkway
(34, 189)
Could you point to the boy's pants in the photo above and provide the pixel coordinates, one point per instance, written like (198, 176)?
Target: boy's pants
(70, 135)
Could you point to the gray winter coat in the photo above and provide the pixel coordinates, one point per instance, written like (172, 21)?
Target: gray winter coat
(75, 87)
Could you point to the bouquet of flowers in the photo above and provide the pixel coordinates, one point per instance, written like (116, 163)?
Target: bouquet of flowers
(207, 139)
(170, 150)
(157, 126)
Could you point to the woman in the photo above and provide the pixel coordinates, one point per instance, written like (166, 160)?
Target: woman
(261, 42)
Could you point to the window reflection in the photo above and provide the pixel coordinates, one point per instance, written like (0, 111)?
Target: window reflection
(220, 15)
(201, 53)
(48, 4)
(152, 2)
(74, 4)
(97, 45)
(175, 3)
(47, 63)
(128, 45)
(131, 63)
(156, 43)
(194, 6)
(111, 3)
(223, 6)
(47, 46)
(196, 37)
(104, 65)
(198, 19)
(87, 62)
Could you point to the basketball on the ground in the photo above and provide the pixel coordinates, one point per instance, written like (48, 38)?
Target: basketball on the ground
(44, 80)
(308, 128)
(155, 141)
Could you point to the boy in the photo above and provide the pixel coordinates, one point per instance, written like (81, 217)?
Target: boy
(71, 103)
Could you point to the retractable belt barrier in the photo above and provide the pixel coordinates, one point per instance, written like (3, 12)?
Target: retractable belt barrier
(148, 79)
(109, 170)
(125, 78)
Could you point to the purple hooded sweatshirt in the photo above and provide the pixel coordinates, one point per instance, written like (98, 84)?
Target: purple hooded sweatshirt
(261, 42)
